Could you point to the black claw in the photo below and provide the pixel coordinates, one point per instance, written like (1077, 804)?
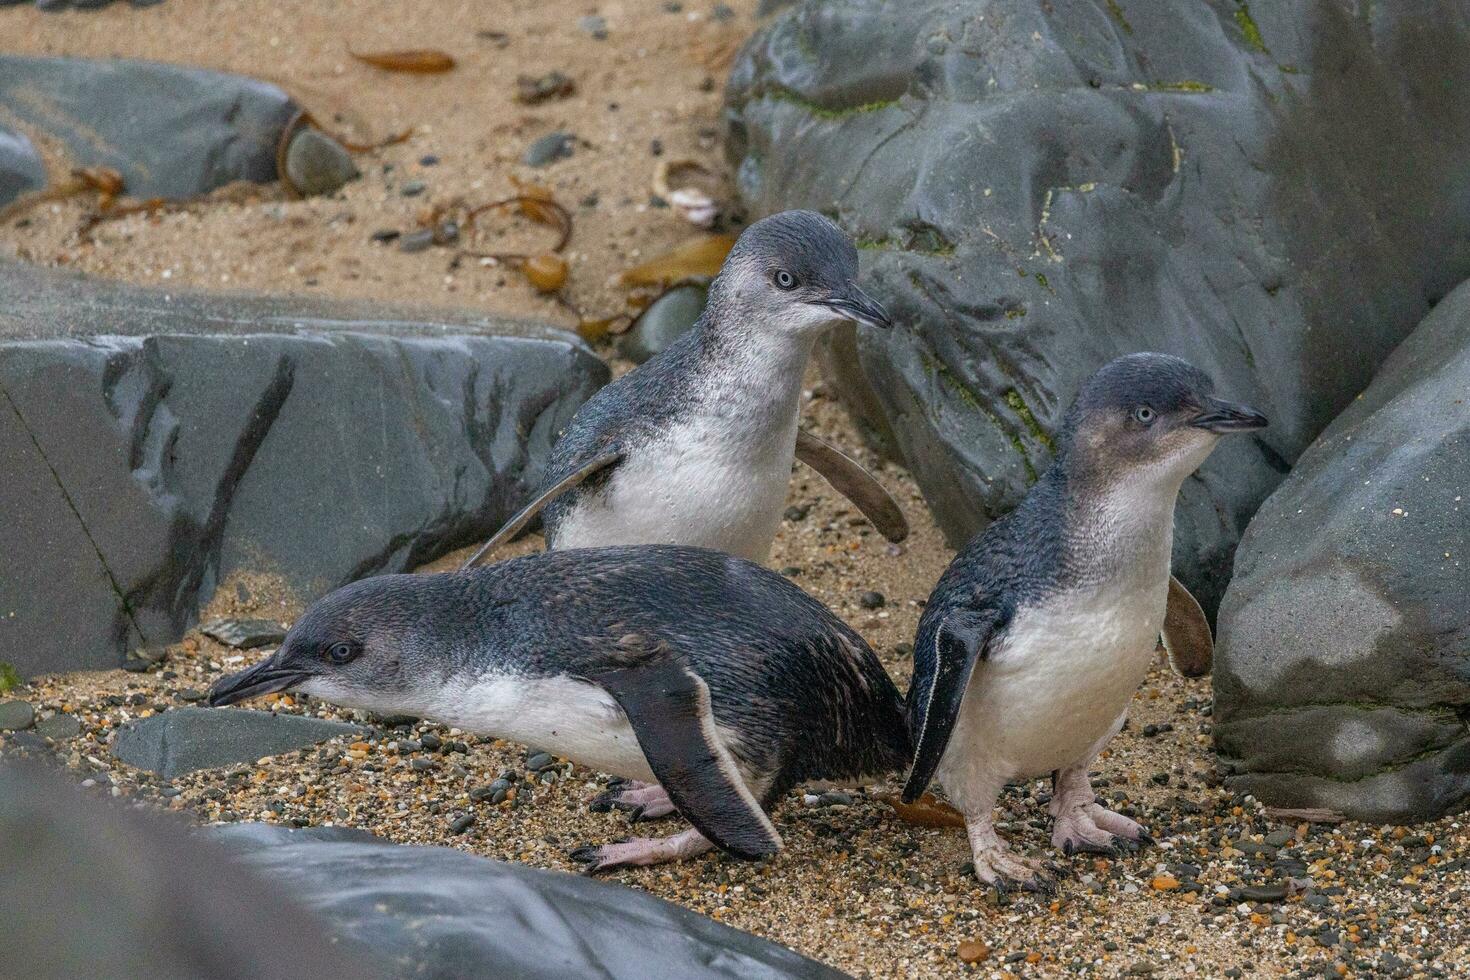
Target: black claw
(636, 814)
(617, 782)
(584, 855)
(1145, 839)
(1068, 848)
(602, 803)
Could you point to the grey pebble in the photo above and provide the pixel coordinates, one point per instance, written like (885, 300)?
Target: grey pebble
(539, 761)
(244, 634)
(16, 715)
(422, 764)
(461, 823)
(872, 600)
(413, 188)
(594, 25)
(416, 241)
(666, 320)
(549, 148)
(386, 234)
(318, 164)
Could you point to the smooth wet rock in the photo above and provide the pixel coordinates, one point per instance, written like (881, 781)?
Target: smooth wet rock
(16, 715)
(1342, 671)
(318, 164)
(549, 148)
(245, 634)
(1038, 187)
(171, 132)
(185, 739)
(21, 167)
(440, 912)
(157, 443)
(107, 891)
(666, 320)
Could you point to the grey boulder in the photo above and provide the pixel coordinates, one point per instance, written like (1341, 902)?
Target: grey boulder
(91, 890)
(439, 912)
(1342, 675)
(21, 167)
(157, 443)
(171, 132)
(1275, 192)
(185, 739)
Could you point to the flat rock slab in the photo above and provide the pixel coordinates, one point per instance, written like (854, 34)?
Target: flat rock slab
(1342, 675)
(439, 912)
(185, 739)
(156, 443)
(107, 891)
(171, 132)
(245, 634)
(1038, 187)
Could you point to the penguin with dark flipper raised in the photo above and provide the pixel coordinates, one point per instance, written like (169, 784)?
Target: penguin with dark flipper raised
(711, 676)
(695, 446)
(1038, 634)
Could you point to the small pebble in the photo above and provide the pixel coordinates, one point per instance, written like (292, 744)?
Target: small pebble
(461, 823)
(413, 188)
(872, 600)
(549, 148)
(16, 715)
(594, 25)
(416, 241)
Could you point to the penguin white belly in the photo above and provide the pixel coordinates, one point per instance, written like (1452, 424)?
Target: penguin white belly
(570, 718)
(688, 490)
(1064, 675)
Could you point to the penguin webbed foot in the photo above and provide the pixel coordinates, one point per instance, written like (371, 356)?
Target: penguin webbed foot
(642, 801)
(1007, 872)
(640, 852)
(1094, 829)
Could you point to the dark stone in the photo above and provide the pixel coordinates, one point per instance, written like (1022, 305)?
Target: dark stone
(537, 761)
(171, 132)
(1264, 893)
(21, 167)
(1342, 675)
(534, 89)
(186, 739)
(1064, 182)
(666, 320)
(439, 912)
(549, 148)
(16, 715)
(245, 634)
(413, 188)
(872, 600)
(318, 164)
(94, 890)
(59, 727)
(157, 443)
(417, 241)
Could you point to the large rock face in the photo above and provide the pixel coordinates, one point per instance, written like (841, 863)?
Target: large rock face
(170, 131)
(438, 912)
(1275, 192)
(1342, 677)
(21, 167)
(153, 444)
(97, 891)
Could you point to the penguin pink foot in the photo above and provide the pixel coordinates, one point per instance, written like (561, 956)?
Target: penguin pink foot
(643, 801)
(641, 852)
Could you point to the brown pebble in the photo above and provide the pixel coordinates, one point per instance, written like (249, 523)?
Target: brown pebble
(972, 951)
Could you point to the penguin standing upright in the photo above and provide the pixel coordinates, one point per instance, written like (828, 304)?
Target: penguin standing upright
(1039, 633)
(695, 446)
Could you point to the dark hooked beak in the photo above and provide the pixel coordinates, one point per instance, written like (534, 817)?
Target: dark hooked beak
(266, 677)
(1222, 416)
(858, 306)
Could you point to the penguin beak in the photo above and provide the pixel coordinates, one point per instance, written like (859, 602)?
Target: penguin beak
(267, 677)
(1222, 416)
(858, 306)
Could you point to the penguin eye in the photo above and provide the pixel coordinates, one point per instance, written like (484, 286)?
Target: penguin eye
(341, 653)
(1143, 415)
(784, 279)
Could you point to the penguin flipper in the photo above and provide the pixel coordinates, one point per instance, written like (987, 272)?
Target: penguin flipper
(849, 478)
(668, 706)
(962, 639)
(517, 523)
(1186, 633)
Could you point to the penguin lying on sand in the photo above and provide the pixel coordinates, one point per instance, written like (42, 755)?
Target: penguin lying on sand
(1038, 634)
(717, 678)
(695, 446)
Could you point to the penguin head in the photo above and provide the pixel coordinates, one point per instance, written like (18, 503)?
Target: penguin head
(370, 644)
(1148, 415)
(794, 272)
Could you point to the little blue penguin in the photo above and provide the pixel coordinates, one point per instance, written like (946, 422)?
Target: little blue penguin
(710, 676)
(1040, 631)
(695, 446)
